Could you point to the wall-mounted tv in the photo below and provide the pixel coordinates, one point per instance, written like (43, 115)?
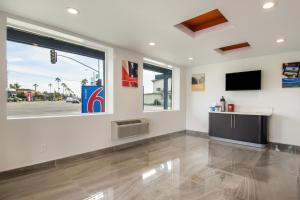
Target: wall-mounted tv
(250, 80)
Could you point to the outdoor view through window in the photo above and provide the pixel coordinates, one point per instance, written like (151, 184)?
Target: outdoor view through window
(39, 87)
(157, 89)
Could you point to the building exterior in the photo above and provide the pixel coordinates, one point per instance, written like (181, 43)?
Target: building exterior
(20, 94)
(156, 98)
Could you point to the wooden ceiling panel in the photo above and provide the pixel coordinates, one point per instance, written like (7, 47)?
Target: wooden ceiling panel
(206, 20)
(234, 47)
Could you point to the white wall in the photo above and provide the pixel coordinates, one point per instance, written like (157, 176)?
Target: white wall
(21, 139)
(284, 124)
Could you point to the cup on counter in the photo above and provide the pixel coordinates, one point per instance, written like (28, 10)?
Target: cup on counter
(230, 108)
(218, 109)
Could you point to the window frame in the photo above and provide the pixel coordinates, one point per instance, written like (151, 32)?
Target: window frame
(166, 73)
(86, 48)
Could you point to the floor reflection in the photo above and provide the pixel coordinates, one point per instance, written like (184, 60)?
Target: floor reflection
(107, 194)
(169, 170)
(178, 168)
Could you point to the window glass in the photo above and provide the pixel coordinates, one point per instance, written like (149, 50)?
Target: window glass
(157, 85)
(42, 85)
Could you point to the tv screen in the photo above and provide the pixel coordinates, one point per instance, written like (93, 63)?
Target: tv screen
(250, 80)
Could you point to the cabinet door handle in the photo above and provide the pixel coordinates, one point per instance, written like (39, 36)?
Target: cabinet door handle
(233, 121)
(230, 121)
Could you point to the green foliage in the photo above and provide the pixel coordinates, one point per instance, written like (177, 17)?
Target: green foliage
(21, 95)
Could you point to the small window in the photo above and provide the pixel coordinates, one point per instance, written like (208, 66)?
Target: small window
(49, 77)
(157, 85)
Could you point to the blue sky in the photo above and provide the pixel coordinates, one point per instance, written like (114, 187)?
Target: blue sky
(29, 64)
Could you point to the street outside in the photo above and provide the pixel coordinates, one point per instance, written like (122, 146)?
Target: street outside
(50, 108)
(40, 87)
(42, 108)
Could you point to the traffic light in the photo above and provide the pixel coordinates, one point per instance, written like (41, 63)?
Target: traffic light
(53, 56)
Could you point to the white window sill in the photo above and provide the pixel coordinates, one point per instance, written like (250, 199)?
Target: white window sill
(158, 111)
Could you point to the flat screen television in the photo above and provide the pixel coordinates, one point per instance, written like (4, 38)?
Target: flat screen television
(250, 80)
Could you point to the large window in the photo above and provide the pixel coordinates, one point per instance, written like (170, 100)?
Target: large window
(47, 76)
(157, 84)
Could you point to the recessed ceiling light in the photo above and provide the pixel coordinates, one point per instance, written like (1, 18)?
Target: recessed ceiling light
(72, 11)
(268, 5)
(190, 58)
(280, 40)
(152, 44)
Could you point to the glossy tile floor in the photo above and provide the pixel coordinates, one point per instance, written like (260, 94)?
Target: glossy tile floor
(183, 167)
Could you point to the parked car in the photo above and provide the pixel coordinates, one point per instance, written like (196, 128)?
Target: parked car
(69, 100)
(72, 100)
(75, 100)
(14, 99)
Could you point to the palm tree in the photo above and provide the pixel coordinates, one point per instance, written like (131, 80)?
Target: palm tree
(15, 86)
(71, 93)
(64, 87)
(35, 86)
(50, 86)
(68, 90)
(84, 81)
(57, 80)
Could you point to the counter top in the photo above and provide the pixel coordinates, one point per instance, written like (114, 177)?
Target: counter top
(244, 113)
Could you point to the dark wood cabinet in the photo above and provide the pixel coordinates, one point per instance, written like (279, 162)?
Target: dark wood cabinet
(246, 128)
(239, 127)
(220, 126)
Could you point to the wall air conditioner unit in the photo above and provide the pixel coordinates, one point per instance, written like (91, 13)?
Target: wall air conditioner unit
(129, 128)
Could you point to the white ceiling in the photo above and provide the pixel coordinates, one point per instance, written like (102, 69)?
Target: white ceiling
(133, 24)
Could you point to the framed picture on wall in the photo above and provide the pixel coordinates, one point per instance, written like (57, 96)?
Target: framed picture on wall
(291, 75)
(129, 74)
(198, 82)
